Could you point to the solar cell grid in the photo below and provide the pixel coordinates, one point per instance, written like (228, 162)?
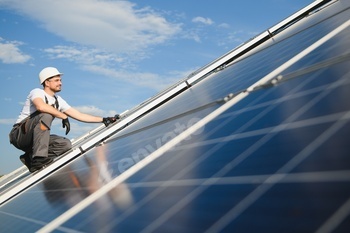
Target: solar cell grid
(323, 130)
(165, 190)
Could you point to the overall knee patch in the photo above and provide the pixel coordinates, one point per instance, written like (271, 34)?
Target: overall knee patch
(44, 126)
(45, 122)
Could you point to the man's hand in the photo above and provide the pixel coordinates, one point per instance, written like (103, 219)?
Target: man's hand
(109, 120)
(66, 124)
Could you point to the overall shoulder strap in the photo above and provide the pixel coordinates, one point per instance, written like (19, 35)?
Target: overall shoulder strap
(56, 105)
(56, 102)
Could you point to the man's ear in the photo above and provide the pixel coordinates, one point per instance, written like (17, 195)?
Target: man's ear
(44, 83)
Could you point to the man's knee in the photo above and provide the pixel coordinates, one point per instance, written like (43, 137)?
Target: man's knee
(59, 145)
(66, 144)
(45, 121)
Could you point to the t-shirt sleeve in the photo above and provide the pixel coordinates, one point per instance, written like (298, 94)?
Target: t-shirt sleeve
(63, 105)
(35, 93)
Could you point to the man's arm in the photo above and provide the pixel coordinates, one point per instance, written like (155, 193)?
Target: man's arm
(41, 106)
(75, 114)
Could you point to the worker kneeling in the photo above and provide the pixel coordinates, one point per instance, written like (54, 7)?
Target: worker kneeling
(31, 132)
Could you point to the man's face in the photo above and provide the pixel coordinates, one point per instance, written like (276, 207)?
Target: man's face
(54, 83)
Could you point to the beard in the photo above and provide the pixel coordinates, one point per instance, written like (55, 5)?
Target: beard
(57, 89)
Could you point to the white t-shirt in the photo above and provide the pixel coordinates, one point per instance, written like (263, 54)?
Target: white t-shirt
(29, 107)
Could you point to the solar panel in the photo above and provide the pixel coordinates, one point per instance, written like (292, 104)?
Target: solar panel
(258, 144)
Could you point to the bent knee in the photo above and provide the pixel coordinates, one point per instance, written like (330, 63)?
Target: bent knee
(46, 117)
(45, 121)
(66, 144)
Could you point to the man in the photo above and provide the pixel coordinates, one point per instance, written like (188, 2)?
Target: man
(31, 133)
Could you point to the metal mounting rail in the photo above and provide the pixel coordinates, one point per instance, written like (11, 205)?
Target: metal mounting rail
(7, 179)
(100, 134)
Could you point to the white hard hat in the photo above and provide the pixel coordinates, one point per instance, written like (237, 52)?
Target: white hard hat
(48, 72)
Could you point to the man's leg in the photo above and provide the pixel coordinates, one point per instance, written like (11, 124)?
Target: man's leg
(41, 134)
(40, 147)
(22, 138)
(58, 145)
(41, 138)
(34, 140)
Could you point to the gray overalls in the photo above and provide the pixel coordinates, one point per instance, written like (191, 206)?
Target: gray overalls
(32, 136)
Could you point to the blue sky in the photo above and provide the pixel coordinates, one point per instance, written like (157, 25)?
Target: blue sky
(114, 53)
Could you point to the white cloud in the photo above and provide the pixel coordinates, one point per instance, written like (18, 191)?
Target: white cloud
(149, 80)
(235, 38)
(224, 25)
(7, 121)
(206, 21)
(110, 36)
(104, 63)
(192, 35)
(83, 55)
(113, 25)
(10, 52)
(93, 110)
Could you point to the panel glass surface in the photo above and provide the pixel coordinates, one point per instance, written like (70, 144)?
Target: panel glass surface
(277, 161)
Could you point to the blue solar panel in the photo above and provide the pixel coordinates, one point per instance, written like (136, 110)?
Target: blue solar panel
(275, 161)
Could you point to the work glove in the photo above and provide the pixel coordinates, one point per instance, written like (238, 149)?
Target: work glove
(66, 124)
(109, 120)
